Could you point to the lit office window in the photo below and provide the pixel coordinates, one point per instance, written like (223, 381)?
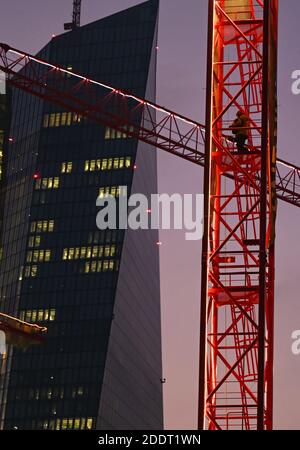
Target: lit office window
(101, 266)
(50, 226)
(57, 119)
(61, 119)
(34, 241)
(110, 133)
(52, 120)
(107, 164)
(38, 256)
(64, 424)
(69, 119)
(64, 117)
(38, 315)
(30, 271)
(47, 183)
(97, 251)
(66, 167)
(77, 118)
(114, 191)
(77, 253)
(77, 423)
(89, 423)
(42, 226)
(39, 226)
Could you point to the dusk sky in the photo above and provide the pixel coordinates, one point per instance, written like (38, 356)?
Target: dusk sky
(29, 24)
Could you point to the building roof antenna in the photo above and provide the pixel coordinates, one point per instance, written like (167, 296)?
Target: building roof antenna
(75, 17)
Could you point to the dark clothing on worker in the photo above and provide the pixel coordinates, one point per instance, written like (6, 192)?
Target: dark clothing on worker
(240, 130)
(240, 140)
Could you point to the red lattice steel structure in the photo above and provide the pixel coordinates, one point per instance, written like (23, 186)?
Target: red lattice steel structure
(236, 339)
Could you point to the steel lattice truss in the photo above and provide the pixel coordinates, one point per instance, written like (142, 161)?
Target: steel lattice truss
(121, 111)
(76, 12)
(237, 294)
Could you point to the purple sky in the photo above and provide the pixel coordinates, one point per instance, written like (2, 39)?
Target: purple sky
(29, 24)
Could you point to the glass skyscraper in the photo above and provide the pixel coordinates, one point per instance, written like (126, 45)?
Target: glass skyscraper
(98, 292)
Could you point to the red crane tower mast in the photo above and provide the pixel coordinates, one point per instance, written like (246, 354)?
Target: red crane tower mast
(237, 293)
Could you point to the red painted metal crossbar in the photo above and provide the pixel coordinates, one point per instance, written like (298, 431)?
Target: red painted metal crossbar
(123, 111)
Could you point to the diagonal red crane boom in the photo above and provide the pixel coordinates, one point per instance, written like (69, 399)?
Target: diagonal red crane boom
(123, 111)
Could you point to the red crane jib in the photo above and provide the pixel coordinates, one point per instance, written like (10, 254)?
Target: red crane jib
(124, 112)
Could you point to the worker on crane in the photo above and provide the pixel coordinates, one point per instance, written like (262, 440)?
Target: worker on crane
(240, 129)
